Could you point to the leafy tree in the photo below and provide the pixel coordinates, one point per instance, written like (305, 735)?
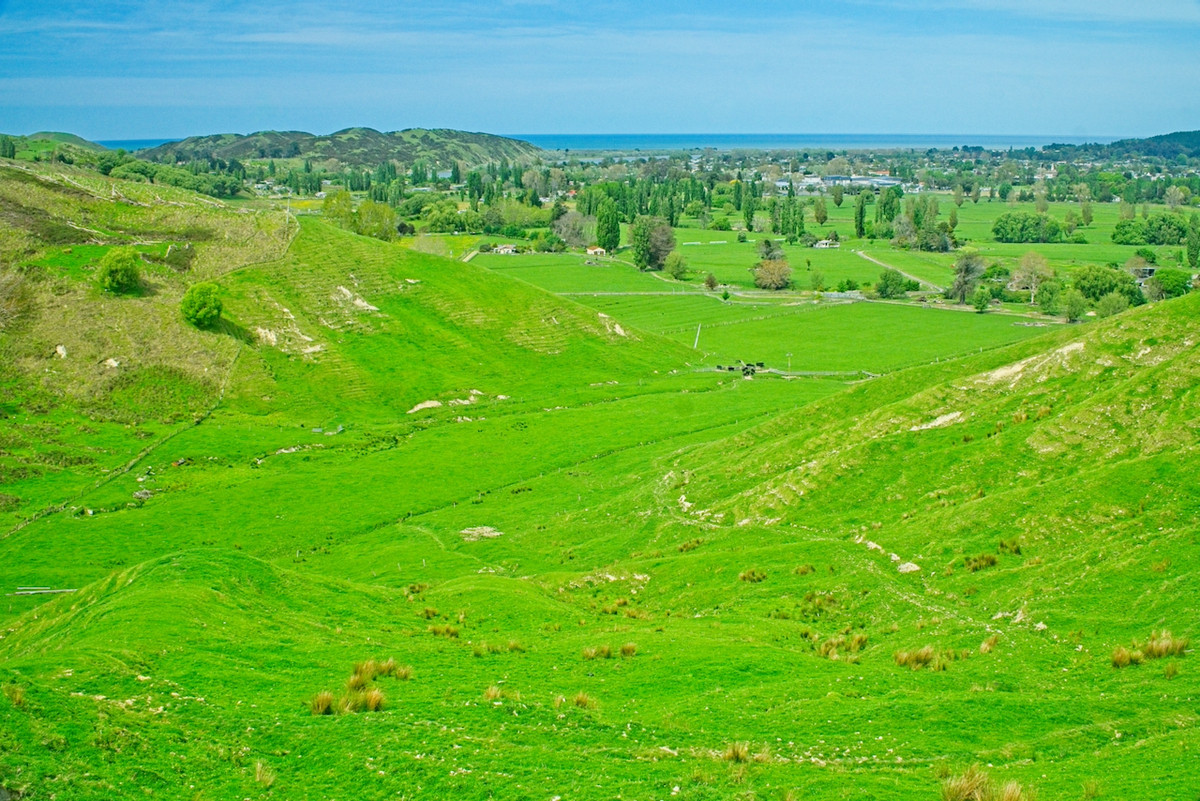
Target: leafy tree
(749, 207)
(769, 249)
(1032, 271)
(1129, 232)
(820, 211)
(1166, 229)
(1112, 303)
(1021, 226)
(958, 195)
(1048, 295)
(710, 282)
(816, 280)
(975, 193)
(376, 219)
(837, 194)
(1173, 282)
(201, 304)
(1193, 242)
(1095, 281)
(1175, 197)
(575, 229)
(772, 274)
(860, 215)
(608, 225)
(968, 267)
(338, 208)
(892, 284)
(981, 299)
(675, 265)
(119, 270)
(1074, 304)
(652, 240)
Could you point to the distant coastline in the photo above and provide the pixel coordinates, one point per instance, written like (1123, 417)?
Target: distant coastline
(131, 145)
(653, 142)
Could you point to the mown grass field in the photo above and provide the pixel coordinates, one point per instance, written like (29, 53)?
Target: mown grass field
(611, 571)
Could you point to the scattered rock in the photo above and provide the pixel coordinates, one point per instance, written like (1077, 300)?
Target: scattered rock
(112, 363)
(477, 533)
(429, 404)
(938, 422)
(60, 351)
(909, 567)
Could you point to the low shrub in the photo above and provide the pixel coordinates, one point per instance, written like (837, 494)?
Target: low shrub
(201, 304)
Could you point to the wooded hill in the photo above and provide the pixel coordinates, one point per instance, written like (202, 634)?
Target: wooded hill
(357, 147)
(1166, 146)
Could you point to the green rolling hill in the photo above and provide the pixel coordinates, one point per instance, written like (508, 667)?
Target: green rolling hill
(600, 569)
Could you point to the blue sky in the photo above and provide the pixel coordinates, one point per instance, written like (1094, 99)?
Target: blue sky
(151, 68)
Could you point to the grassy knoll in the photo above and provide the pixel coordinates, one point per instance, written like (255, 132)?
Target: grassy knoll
(600, 572)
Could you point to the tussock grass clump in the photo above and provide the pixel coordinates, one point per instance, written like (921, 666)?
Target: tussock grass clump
(515, 647)
(404, 672)
(356, 682)
(976, 785)
(915, 659)
(629, 650)
(350, 703)
(493, 693)
(263, 774)
(583, 700)
(1171, 670)
(1164, 643)
(980, 562)
(987, 645)
(604, 652)
(690, 545)
(1161, 644)
(803, 570)
(752, 576)
(429, 613)
(368, 669)
(589, 653)
(1012, 546)
(387, 667)
(321, 703)
(15, 694)
(441, 630)
(737, 752)
(373, 699)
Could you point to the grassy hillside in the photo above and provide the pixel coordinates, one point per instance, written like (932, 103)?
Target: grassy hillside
(600, 571)
(356, 147)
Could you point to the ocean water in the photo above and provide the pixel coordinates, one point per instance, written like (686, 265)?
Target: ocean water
(650, 142)
(133, 144)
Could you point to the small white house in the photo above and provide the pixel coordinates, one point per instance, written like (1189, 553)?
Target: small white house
(505, 250)
(596, 250)
(827, 243)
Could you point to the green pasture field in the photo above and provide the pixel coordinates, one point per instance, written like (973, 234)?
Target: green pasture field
(870, 337)
(602, 568)
(570, 273)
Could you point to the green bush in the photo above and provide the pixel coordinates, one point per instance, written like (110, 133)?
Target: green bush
(201, 305)
(119, 270)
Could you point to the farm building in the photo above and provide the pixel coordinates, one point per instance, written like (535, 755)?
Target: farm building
(505, 250)
(596, 250)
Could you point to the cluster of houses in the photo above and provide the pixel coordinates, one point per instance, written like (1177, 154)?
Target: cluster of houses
(815, 184)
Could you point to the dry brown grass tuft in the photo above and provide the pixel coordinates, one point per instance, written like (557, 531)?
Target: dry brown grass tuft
(1091, 790)
(16, 694)
(516, 647)
(690, 545)
(263, 774)
(737, 752)
(450, 632)
(404, 672)
(804, 570)
(987, 645)
(1171, 670)
(356, 682)
(429, 613)
(387, 667)
(559, 700)
(629, 650)
(373, 699)
(583, 700)
(980, 562)
(753, 575)
(1164, 643)
(589, 653)
(916, 659)
(604, 652)
(350, 703)
(321, 703)
(976, 785)
(493, 693)
(1121, 657)
(368, 669)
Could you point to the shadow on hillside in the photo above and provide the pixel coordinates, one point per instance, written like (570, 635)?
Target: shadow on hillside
(233, 329)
